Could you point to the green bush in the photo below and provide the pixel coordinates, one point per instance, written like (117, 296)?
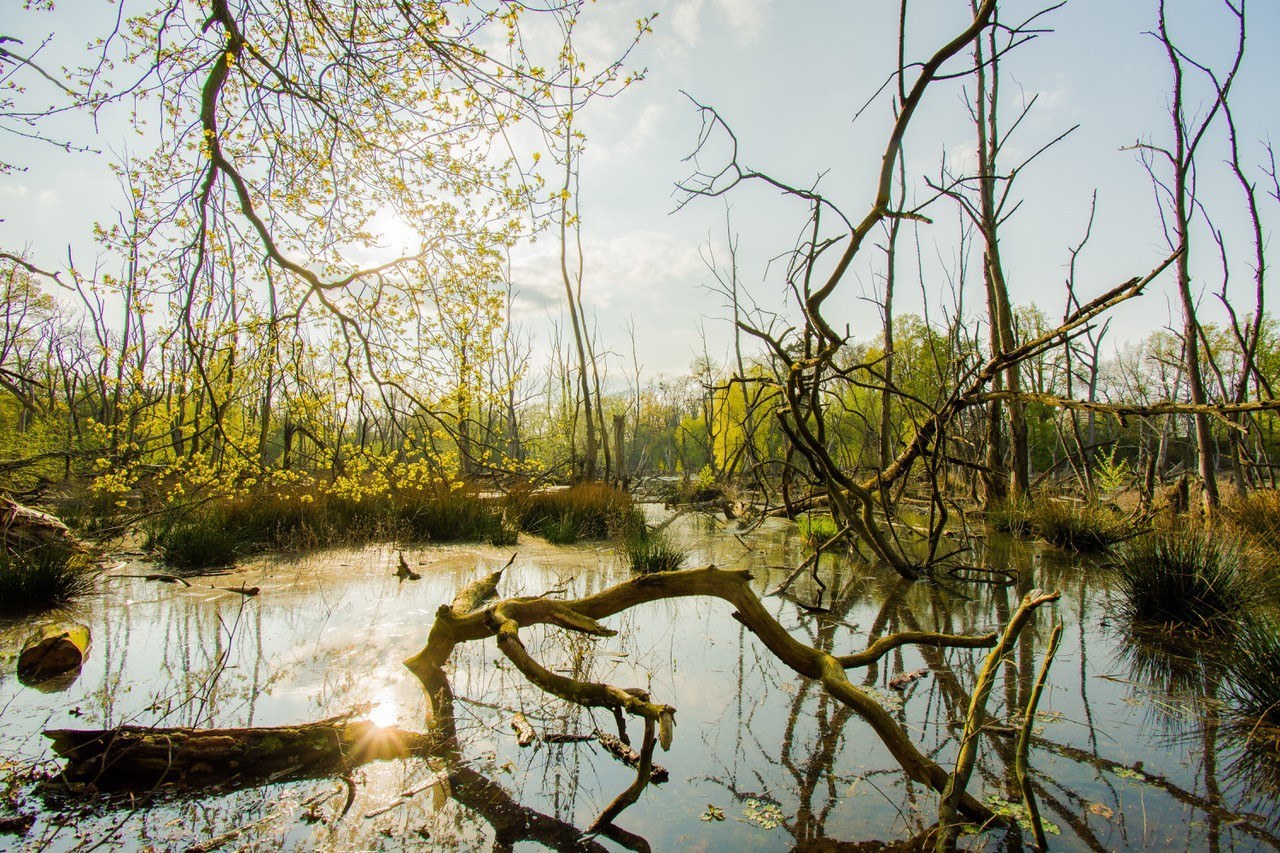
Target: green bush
(562, 530)
(203, 540)
(648, 551)
(1184, 577)
(42, 577)
(590, 510)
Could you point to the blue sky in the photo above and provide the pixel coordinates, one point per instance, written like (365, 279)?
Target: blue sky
(789, 77)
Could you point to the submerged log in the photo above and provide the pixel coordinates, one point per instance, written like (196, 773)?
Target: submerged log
(57, 650)
(628, 756)
(23, 528)
(139, 759)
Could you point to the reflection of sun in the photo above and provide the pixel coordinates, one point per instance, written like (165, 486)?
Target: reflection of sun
(384, 712)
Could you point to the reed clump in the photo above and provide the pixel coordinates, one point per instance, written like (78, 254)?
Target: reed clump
(1185, 576)
(650, 551)
(301, 516)
(1256, 516)
(42, 577)
(1253, 673)
(1013, 517)
(817, 528)
(583, 511)
(1086, 527)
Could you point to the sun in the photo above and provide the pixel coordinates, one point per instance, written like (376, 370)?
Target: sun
(384, 713)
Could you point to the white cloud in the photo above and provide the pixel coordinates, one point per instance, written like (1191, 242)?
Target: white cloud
(744, 17)
(686, 22)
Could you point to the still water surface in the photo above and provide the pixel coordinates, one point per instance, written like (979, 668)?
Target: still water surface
(1128, 751)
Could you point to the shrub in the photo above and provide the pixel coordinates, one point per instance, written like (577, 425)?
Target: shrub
(590, 510)
(1257, 516)
(648, 551)
(1184, 576)
(42, 577)
(817, 528)
(1085, 527)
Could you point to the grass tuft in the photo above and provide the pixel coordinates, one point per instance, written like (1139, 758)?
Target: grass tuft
(561, 530)
(1076, 527)
(1012, 517)
(589, 510)
(303, 517)
(42, 577)
(199, 541)
(817, 528)
(1257, 516)
(648, 551)
(1184, 577)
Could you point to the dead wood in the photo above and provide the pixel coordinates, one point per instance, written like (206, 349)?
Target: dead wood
(140, 759)
(628, 756)
(503, 619)
(899, 682)
(525, 735)
(23, 528)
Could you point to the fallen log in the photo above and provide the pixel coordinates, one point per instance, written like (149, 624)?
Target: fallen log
(23, 528)
(55, 650)
(140, 759)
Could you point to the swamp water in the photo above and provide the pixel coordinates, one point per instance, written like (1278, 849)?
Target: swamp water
(1127, 752)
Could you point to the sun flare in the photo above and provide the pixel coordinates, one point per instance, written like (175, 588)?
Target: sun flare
(385, 713)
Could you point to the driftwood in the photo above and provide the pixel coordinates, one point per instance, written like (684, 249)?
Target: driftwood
(23, 528)
(139, 759)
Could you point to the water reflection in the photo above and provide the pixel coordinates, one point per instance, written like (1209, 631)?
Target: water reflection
(784, 763)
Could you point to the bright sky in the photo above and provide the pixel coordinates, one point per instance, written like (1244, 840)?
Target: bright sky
(789, 78)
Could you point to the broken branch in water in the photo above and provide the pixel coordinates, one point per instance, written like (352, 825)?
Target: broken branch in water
(464, 621)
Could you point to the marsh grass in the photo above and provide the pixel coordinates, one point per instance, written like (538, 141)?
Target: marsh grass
(1076, 527)
(302, 518)
(1012, 517)
(42, 577)
(1185, 577)
(648, 551)
(817, 528)
(561, 530)
(587, 510)
(1257, 516)
(202, 540)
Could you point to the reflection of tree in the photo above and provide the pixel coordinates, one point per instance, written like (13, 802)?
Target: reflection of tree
(466, 620)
